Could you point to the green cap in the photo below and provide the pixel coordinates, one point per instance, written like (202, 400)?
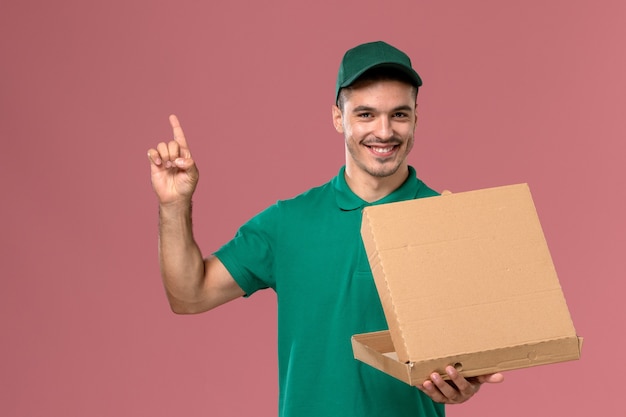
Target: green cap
(378, 54)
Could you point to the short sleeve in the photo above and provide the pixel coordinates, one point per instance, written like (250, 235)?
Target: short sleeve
(249, 256)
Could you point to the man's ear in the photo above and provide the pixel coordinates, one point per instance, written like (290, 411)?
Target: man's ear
(337, 119)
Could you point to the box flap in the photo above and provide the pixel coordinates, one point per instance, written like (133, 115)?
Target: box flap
(465, 272)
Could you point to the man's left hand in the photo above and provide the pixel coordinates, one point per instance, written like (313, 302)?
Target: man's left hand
(456, 389)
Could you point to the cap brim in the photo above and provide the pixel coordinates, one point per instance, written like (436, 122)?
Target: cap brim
(412, 74)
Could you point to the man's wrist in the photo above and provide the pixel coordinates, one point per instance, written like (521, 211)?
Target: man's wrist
(175, 209)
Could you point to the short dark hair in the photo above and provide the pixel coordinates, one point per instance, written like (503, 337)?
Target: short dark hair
(373, 75)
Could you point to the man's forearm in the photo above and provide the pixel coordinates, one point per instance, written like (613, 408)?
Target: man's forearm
(182, 264)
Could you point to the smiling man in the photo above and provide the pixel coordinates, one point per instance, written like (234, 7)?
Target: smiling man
(320, 304)
(377, 114)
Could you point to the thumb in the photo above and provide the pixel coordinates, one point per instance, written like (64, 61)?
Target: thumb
(185, 163)
(189, 166)
(491, 378)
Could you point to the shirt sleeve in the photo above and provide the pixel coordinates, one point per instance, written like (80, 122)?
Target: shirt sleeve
(249, 256)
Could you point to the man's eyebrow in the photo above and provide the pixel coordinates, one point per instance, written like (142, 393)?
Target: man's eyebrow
(404, 107)
(361, 108)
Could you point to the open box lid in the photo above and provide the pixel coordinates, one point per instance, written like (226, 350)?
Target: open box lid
(466, 272)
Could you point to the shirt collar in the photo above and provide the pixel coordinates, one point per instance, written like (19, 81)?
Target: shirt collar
(347, 200)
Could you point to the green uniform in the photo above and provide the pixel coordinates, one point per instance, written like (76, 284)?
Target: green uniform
(309, 250)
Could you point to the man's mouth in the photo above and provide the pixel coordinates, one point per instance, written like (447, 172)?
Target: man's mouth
(382, 150)
(378, 149)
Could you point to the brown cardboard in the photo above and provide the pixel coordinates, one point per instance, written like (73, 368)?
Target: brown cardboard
(467, 280)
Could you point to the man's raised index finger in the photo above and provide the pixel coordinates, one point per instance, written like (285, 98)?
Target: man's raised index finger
(179, 135)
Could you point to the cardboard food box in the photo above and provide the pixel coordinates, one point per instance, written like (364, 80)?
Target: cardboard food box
(465, 280)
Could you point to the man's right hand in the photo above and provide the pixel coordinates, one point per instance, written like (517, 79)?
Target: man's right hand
(174, 173)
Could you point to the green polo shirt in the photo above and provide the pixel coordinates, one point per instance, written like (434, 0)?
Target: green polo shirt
(309, 250)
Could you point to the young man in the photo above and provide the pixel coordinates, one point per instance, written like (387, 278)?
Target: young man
(321, 304)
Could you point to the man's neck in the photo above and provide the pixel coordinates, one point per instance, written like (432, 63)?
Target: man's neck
(370, 188)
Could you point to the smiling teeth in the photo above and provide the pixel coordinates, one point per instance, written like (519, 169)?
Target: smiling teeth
(382, 150)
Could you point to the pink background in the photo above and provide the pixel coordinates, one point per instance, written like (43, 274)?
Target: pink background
(530, 91)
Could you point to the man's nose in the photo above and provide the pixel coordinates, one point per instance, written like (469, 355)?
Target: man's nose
(384, 129)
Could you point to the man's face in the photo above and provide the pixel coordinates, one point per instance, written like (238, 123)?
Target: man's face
(378, 122)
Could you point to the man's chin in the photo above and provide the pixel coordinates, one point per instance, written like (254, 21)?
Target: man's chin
(383, 171)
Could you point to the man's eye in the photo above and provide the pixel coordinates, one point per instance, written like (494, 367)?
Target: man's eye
(400, 115)
(365, 115)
